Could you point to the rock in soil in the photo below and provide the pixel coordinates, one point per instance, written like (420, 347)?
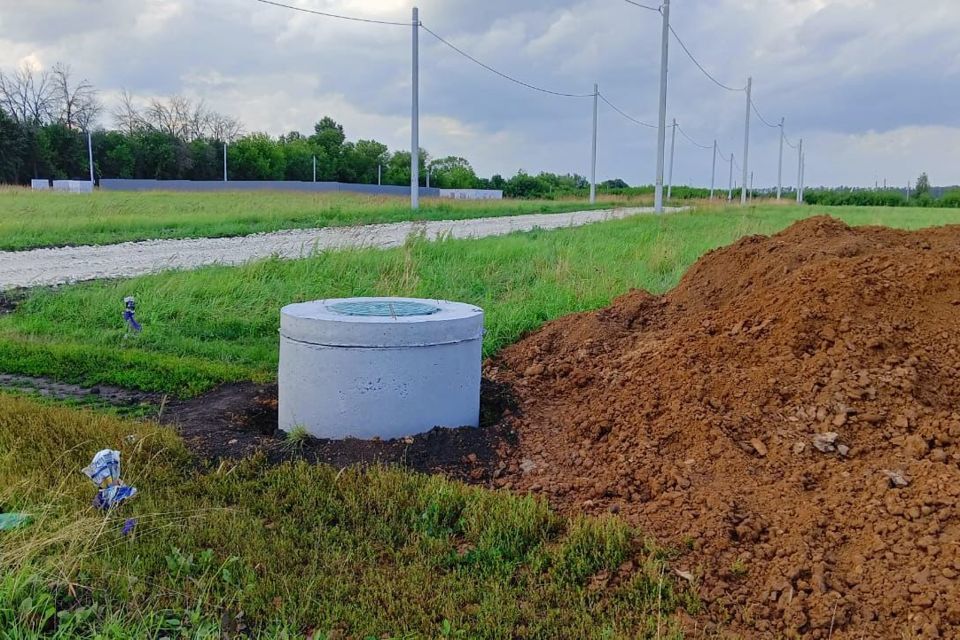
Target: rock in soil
(714, 414)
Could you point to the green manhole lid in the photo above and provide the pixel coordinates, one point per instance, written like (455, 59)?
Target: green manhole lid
(384, 308)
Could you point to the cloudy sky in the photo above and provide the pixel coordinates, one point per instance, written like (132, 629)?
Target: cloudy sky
(873, 86)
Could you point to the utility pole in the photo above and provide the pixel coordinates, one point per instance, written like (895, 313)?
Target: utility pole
(803, 177)
(662, 132)
(799, 170)
(713, 172)
(379, 174)
(314, 168)
(750, 193)
(90, 156)
(780, 165)
(673, 144)
(746, 143)
(224, 161)
(415, 117)
(429, 171)
(730, 188)
(593, 155)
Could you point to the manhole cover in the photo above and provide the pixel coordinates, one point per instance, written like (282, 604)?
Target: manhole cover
(384, 308)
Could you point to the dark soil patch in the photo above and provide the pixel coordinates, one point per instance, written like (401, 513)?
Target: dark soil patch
(9, 300)
(239, 420)
(123, 401)
(235, 421)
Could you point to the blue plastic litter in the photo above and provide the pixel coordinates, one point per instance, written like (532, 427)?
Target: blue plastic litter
(104, 471)
(11, 521)
(129, 314)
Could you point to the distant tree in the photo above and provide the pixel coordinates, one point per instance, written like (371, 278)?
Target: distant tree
(452, 172)
(177, 116)
(222, 127)
(256, 157)
(616, 183)
(298, 154)
(359, 162)
(398, 168)
(923, 185)
(115, 155)
(523, 185)
(206, 160)
(27, 97)
(127, 115)
(64, 151)
(328, 134)
(75, 103)
(14, 146)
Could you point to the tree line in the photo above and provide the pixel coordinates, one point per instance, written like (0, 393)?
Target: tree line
(45, 117)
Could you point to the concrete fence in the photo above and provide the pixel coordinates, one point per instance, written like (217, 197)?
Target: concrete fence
(70, 186)
(472, 194)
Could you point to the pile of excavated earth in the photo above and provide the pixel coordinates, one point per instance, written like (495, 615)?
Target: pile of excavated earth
(788, 417)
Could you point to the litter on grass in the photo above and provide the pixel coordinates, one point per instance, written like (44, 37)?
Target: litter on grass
(129, 314)
(11, 521)
(104, 471)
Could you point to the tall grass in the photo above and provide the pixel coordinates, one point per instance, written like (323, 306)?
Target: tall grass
(39, 219)
(294, 548)
(220, 324)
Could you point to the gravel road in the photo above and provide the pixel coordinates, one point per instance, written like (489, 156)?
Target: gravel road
(40, 267)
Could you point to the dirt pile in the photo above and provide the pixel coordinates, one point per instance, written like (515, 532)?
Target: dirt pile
(788, 416)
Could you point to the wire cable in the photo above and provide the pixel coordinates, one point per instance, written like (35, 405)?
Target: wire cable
(691, 140)
(625, 115)
(504, 75)
(790, 144)
(334, 15)
(643, 6)
(700, 66)
(759, 115)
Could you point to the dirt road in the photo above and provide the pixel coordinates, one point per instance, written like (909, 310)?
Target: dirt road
(40, 267)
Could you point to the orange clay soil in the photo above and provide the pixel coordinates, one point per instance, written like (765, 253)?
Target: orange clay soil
(788, 417)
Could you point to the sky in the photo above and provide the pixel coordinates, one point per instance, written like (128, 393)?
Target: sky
(872, 86)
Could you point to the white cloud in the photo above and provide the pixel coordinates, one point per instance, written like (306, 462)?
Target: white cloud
(870, 84)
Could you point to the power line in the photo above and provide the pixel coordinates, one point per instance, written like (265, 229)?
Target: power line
(334, 15)
(700, 66)
(789, 144)
(762, 119)
(625, 115)
(504, 75)
(643, 6)
(691, 140)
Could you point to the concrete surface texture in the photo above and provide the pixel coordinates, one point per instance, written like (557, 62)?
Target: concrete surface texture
(386, 375)
(43, 267)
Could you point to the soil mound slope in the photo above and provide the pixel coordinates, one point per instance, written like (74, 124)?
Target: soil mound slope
(788, 416)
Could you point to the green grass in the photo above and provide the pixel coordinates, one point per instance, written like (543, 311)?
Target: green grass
(219, 324)
(297, 548)
(43, 219)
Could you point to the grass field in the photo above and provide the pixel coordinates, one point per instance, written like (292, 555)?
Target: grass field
(31, 219)
(296, 548)
(219, 324)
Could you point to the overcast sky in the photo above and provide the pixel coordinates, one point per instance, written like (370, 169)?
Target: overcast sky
(873, 86)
